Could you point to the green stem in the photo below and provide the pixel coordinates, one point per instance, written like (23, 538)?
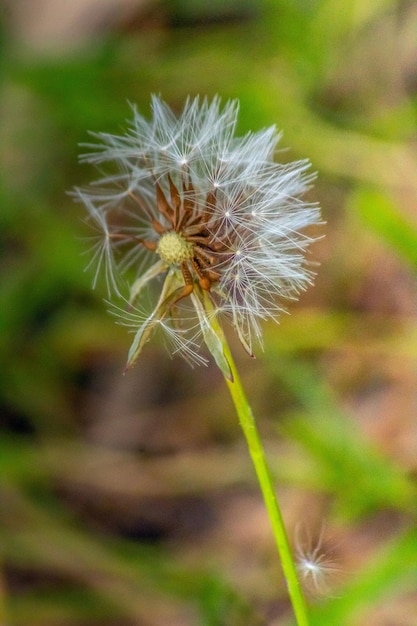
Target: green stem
(257, 453)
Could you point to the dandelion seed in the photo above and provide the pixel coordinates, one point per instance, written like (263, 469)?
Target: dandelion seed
(317, 570)
(211, 214)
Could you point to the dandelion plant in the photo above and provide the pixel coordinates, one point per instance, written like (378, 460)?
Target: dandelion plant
(195, 229)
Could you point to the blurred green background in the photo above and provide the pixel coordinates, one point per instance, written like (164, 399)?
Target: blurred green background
(131, 500)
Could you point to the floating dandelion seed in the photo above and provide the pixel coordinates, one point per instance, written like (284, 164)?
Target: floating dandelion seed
(318, 572)
(211, 214)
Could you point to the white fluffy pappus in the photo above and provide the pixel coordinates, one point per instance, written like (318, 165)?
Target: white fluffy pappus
(210, 218)
(318, 572)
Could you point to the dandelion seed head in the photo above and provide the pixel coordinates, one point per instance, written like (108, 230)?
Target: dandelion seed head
(212, 214)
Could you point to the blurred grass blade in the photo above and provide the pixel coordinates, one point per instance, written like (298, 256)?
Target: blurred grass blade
(380, 214)
(352, 468)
